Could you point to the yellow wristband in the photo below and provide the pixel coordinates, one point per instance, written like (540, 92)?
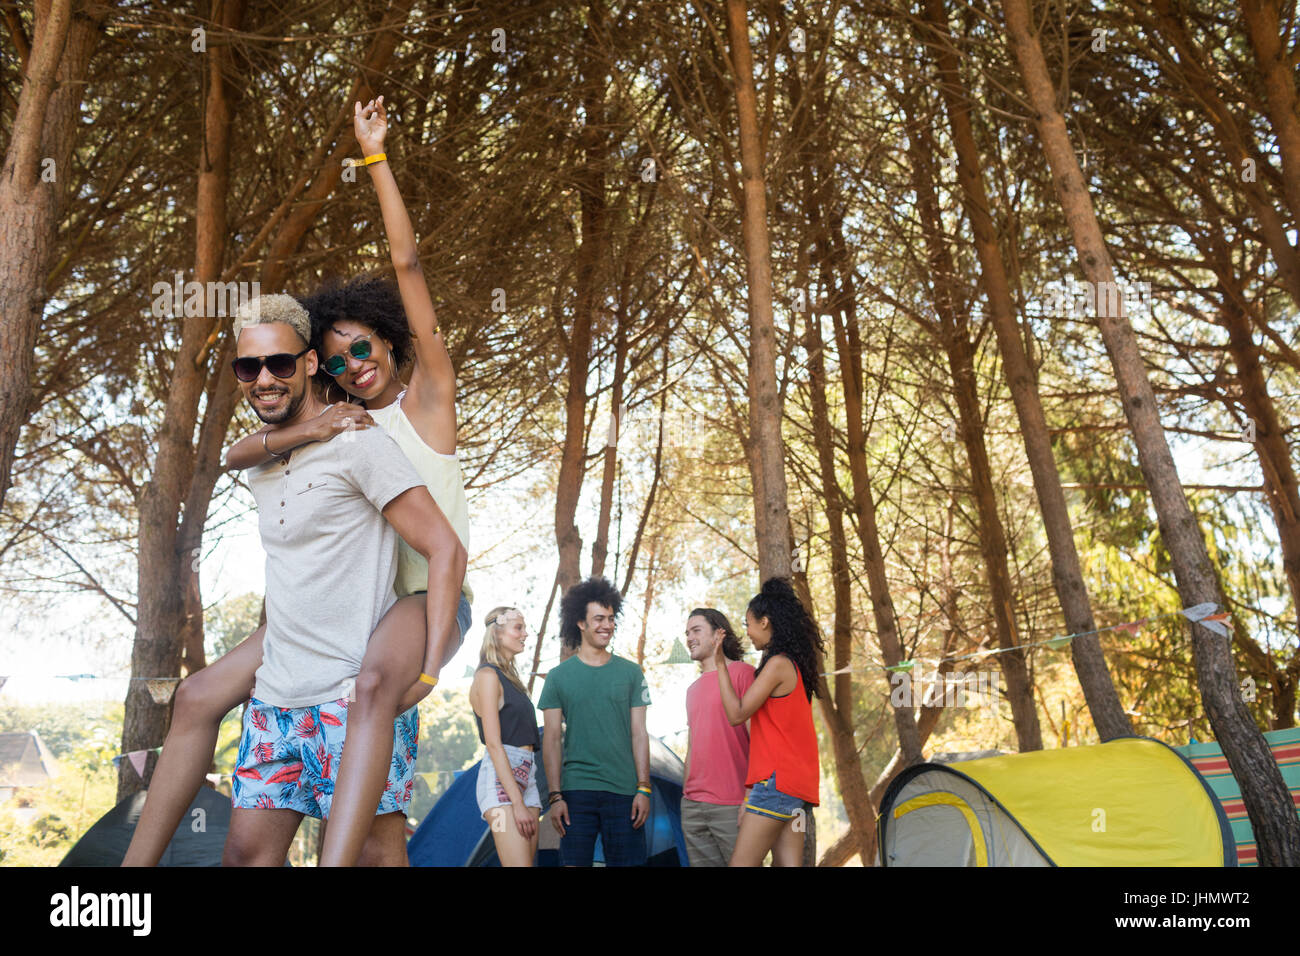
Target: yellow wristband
(376, 158)
(431, 681)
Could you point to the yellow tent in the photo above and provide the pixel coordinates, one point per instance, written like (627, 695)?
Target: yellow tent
(1132, 801)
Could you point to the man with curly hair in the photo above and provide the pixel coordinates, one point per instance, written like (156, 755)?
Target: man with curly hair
(717, 754)
(594, 705)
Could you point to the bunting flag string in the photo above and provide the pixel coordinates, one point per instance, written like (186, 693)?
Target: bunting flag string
(162, 688)
(136, 758)
(1209, 615)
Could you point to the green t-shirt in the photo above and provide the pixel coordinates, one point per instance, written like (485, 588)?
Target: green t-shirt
(597, 706)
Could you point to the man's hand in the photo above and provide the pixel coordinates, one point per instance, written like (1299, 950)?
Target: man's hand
(370, 123)
(525, 820)
(559, 816)
(640, 810)
(339, 418)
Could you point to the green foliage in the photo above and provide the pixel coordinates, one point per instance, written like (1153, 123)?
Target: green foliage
(230, 622)
(448, 742)
(40, 824)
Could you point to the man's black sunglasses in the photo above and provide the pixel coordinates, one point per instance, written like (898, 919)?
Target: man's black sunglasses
(281, 365)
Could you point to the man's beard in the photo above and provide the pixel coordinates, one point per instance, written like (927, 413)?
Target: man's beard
(290, 409)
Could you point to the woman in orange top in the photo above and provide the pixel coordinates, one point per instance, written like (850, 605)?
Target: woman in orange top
(783, 766)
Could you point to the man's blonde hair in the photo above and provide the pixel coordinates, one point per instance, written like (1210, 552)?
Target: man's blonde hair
(276, 307)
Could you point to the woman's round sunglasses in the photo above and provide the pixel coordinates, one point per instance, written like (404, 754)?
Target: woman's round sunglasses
(281, 365)
(359, 349)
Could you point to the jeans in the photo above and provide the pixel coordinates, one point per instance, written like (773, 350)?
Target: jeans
(609, 815)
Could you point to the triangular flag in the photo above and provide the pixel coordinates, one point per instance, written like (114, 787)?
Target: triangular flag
(1198, 611)
(902, 666)
(469, 673)
(2, 681)
(1057, 643)
(679, 653)
(161, 688)
(1133, 627)
(1218, 623)
(137, 758)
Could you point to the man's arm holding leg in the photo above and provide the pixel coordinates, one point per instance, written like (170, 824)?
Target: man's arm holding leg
(421, 523)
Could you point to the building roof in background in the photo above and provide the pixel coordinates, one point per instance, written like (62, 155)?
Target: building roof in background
(25, 761)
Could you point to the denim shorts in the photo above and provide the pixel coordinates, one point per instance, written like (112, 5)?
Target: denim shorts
(464, 616)
(767, 801)
(490, 793)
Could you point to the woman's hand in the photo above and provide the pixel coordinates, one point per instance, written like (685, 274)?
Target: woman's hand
(719, 655)
(337, 419)
(370, 123)
(525, 820)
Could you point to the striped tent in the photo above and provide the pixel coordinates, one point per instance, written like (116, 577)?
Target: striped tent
(1210, 762)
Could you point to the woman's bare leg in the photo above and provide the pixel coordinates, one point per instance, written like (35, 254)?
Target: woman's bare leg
(757, 835)
(513, 849)
(201, 701)
(394, 658)
(788, 850)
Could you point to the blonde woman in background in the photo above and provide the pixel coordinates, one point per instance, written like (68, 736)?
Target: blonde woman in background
(507, 726)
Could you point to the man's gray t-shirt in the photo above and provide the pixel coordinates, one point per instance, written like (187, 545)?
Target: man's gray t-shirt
(330, 561)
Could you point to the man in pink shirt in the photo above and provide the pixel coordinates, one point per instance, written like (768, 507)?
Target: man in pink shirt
(717, 753)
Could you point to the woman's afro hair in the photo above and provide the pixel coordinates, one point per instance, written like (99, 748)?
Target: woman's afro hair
(371, 301)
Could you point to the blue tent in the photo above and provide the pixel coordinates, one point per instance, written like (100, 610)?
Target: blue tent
(455, 834)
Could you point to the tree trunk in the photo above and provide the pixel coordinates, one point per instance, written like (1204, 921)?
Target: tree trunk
(541, 635)
(1269, 806)
(36, 173)
(1067, 577)
(1280, 486)
(590, 258)
(600, 549)
(1277, 69)
(954, 336)
(838, 711)
(649, 600)
(766, 451)
(164, 574)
